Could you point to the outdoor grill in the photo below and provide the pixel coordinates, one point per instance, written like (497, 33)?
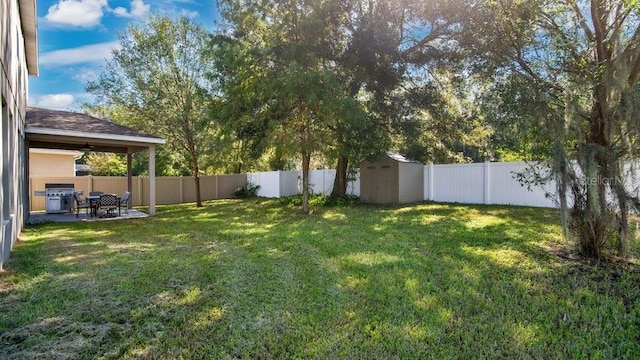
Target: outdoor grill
(59, 197)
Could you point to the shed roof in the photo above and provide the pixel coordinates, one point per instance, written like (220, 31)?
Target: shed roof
(401, 158)
(56, 129)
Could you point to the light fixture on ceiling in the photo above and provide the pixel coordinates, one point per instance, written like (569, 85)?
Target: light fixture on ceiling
(86, 147)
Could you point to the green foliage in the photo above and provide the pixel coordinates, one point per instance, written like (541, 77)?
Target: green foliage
(566, 78)
(156, 81)
(106, 164)
(253, 279)
(297, 102)
(247, 191)
(320, 200)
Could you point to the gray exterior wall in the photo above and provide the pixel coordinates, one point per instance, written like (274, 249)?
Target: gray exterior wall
(13, 87)
(411, 181)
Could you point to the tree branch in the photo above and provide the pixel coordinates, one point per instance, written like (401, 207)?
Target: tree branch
(581, 19)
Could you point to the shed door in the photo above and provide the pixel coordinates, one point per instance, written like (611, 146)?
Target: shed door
(385, 189)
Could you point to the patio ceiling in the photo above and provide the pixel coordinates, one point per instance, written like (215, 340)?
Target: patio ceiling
(55, 129)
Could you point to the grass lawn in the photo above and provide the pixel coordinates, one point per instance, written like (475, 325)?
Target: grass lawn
(256, 279)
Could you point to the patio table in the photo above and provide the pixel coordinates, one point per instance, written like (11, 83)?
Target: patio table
(93, 201)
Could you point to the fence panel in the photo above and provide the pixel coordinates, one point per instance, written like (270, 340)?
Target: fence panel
(463, 183)
(168, 190)
(109, 184)
(227, 184)
(208, 187)
(353, 186)
(269, 183)
(506, 189)
(321, 181)
(290, 183)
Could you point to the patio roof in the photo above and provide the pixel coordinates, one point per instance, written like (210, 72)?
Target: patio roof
(56, 129)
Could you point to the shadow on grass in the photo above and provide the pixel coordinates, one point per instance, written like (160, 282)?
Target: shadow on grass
(250, 279)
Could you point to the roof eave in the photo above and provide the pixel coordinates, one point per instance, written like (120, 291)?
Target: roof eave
(29, 22)
(85, 135)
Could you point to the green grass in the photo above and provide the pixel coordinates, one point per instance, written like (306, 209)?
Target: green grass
(256, 279)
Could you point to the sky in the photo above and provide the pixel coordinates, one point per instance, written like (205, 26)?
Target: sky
(76, 36)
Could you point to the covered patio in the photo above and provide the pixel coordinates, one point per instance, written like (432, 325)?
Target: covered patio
(55, 129)
(40, 217)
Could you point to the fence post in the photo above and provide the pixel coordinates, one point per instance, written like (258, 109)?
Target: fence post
(431, 194)
(217, 186)
(140, 189)
(181, 189)
(279, 184)
(487, 180)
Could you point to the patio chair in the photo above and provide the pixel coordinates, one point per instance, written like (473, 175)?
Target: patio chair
(82, 203)
(124, 202)
(107, 204)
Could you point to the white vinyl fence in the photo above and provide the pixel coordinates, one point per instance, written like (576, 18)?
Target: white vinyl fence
(275, 184)
(478, 183)
(485, 183)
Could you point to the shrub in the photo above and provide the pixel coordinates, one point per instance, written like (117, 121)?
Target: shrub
(320, 200)
(248, 191)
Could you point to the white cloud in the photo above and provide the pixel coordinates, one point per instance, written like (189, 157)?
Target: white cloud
(53, 101)
(190, 14)
(77, 13)
(79, 55)
(138, 9)
(85, 75)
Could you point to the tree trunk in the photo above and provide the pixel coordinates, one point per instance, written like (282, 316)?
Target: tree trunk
(623, 209)
(340, 182)
(623, 231)
(198, 197)
(306, 159)
(196, 176)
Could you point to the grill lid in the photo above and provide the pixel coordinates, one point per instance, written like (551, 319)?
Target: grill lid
(59, 186)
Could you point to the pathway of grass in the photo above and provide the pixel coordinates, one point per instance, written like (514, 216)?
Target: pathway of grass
(254, 279)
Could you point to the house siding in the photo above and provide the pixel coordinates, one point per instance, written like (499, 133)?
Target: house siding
(13, 87)
(43, 164)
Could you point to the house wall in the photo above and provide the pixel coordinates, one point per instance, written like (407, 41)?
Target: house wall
(411, 182)
(13, 93)
(52, 163)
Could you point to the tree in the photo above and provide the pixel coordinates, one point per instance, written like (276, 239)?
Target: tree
(581, 60)
(279, 79)
(157, 80)
(106, 164)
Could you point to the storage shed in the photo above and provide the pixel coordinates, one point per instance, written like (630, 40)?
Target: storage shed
(391, 179)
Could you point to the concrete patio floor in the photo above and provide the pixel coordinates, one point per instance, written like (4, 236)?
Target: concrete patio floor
(37, 217)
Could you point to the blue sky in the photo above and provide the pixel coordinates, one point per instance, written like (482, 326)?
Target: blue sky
(76, 36)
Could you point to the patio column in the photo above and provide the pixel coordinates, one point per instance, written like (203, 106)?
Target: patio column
(152, 180)
(129, 178)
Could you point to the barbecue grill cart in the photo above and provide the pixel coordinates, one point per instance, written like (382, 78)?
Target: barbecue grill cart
(58, 197)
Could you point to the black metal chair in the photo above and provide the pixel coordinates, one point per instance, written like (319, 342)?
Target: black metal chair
(107, 204)
(82, 203)
(124, 202)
